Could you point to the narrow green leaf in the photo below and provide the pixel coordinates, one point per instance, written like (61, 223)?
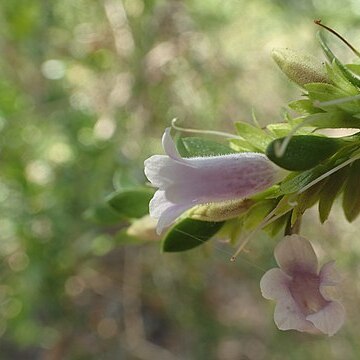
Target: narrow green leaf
(274, 228)
(329, 193)
(355, 68)
(304, 106)
(296, 181)
(333, 119)
(351, 199)
(194, 146)
(332, 58)
(131, 203)
(254, 135)
(279, 129)
(339, 79)
(189, 233)
(306, 200)
(257, 213)
(241, 145)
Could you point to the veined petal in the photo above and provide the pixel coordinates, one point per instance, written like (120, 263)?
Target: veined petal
(329, 319)
(274, 284)
(164, 210)
(227, 177)
(295, 254)
(288, 316)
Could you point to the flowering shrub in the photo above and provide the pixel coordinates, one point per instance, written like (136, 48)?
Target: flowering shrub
(265, 179)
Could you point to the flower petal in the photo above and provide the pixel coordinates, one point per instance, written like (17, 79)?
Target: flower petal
(329, 319)
(162, 171)
(274, 284)
(164, 210)
(288, 316)
(329, 279)
(169, 146)
(329, 275)
(226, 177)
(295, 253)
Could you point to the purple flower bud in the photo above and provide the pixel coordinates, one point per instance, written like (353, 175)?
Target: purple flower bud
(304, 298)
(186, 182)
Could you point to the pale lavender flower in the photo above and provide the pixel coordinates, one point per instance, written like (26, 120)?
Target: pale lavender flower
(186, 182)
(302, 293)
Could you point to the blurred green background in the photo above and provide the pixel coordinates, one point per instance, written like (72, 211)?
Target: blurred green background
(86, 89)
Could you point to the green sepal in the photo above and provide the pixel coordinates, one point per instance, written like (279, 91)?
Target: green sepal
(131, 203)
(329, 193)
(194, 147)
(351, 197)
(255, 136)
(303, 152)
(189, 233)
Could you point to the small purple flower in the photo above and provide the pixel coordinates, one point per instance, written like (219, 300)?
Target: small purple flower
(302, 293)
(186, 182)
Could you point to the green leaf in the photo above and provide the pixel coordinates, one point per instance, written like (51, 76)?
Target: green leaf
(194, 146)
(189, 233)
(337, 77)
(306, 200)
(333, 119)
(296, 181)
(303, 152)
(325, 92)
(304, 106)
(131, 203)
(255, 136)
(241, 145)
(257, 213)
(279, 129)
(351, 199)
(355, 68)
(285, 204)
(329, 193)
(274, 228)
(332, 58)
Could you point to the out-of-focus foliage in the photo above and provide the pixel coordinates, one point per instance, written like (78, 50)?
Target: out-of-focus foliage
(86, 88)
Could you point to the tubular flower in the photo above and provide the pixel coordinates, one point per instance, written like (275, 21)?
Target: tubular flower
(185, 182)
(302, 293)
